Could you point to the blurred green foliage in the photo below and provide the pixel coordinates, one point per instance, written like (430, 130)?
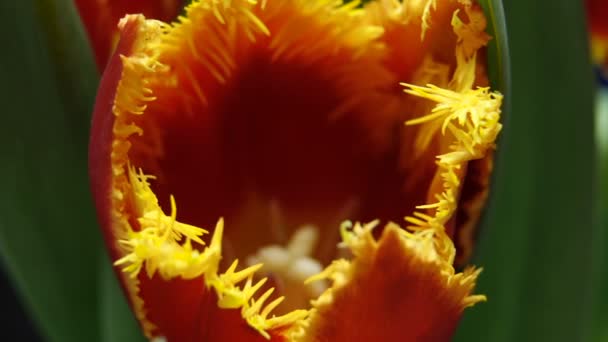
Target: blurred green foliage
(46, 235)
(49, 240)
(601, 134)
(540, 241)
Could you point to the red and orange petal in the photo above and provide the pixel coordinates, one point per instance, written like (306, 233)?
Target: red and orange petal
(597, 17)
(396, 289)
(100, 18)
(318, 80)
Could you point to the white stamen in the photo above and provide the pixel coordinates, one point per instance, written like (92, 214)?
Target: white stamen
(303, 241)
(274, 257)
(293, 264)
(304, 268)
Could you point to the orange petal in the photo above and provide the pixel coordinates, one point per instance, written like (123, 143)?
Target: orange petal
(397, 289)
(597, 14)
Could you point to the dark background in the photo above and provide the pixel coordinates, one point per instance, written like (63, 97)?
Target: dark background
(15, 322)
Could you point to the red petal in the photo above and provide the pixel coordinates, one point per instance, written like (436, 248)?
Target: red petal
(597, 12)
(100, 144)
(176, 309)
(100, 19)
(396, 289)
(165, 298)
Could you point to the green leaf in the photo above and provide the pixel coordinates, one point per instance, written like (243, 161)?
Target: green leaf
(49, 238)
(117, 322)
(538, 243)
(499, 66)
(601, 130)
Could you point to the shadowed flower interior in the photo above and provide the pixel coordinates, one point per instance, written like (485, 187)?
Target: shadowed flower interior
(287, 121)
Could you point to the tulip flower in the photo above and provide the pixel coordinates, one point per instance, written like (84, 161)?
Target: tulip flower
(232, 150)
(100, 18)
(539, 242)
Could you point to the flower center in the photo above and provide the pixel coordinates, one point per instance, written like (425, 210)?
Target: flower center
(274, 141)
(285, 136)
(288, 267)
(266, 154)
